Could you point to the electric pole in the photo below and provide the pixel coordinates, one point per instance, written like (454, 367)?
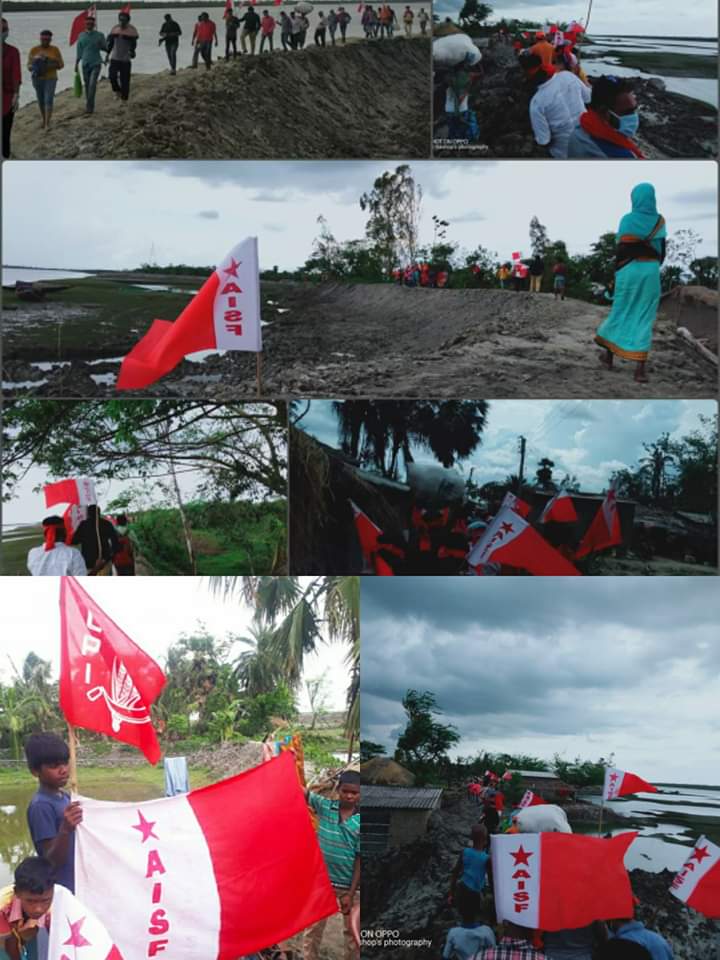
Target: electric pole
(522, 465)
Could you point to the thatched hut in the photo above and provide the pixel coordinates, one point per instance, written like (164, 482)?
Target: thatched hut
(384, 772)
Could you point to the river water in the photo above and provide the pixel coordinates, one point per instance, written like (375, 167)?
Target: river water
(151, 58)
(669, 823)
(11, 274)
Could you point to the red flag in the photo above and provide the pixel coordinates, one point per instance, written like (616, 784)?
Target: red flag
(81, 491)
(559, 881)
(698, 882)
(228, 8)
(516, 504)
(125, 9)
(107, 683)
(72, 518)
(511, 540)
(530, 799)
(368, 533)
(604, 531)
(78, 24)
(224, 315)
(560, 509)
(619, 782)
(207, 873)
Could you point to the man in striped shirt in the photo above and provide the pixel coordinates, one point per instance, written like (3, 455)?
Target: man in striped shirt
(339, 838)
(514, 945)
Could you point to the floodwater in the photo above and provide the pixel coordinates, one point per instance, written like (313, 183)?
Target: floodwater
(701, 88)
(11, 274)
(151, 58)
(669, 823)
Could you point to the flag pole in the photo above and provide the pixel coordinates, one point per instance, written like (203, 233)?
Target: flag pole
(602, 808)
(258, 372)
(72, 745)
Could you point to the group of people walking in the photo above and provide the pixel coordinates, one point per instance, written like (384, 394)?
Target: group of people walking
(382, 21)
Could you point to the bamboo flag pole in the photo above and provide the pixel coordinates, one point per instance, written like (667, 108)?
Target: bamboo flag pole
(587, 21)
(602, 808)
(72, 745)
(258, 372)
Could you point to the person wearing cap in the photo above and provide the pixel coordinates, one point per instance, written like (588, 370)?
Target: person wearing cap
(44, 61)
(338, 834)
(90, 47)
(121, 47)
(11, 81)
(54, 558)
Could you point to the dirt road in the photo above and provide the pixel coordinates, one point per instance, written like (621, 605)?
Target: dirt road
(386, 341)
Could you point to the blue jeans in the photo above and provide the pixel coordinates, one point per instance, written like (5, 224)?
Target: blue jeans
(90, 79)
(45, 90)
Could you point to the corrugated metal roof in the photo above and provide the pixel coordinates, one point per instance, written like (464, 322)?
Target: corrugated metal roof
(400, 798)
(537, 774)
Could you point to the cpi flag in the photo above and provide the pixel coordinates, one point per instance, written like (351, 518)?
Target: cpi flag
(78, 24)
(107, 683)
(368, 533)
(530, 799)
(206, 874)
(604, 531)
(698, 882)
(559, 509)
(510, 539)
(74, 926)
(81, 492)
(557, 881)
(224, 315)
(516, 504)
(619, 782)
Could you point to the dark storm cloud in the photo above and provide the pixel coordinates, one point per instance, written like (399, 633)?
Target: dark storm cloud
(706, 197)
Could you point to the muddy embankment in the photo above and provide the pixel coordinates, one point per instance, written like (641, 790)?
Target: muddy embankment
(406, 889)
(671, 125)
(358, 100)
(378, 340)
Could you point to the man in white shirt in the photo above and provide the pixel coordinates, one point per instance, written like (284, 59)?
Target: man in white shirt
(54, 558)
(555, 109)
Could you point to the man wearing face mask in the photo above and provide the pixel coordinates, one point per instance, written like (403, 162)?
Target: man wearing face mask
(11, 80)
(608, 128)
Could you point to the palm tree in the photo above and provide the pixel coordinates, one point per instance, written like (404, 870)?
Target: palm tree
(256, 668)
(15, 712)
(661, 454)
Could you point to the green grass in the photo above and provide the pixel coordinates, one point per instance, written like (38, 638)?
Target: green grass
(142, 778)
(665, 64)
(14, 551)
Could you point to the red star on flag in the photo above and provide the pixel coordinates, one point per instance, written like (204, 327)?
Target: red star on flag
(521, 856)
(145, 827)
(232, 270)
(699, 854)
(76, 939)
(507, 527)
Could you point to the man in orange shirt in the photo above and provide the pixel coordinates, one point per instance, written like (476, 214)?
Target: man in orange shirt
(546, 52)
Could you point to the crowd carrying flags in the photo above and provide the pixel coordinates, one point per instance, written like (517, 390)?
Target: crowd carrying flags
(217, 873)
(560, 509)
(511, 540)
(368, 533)
(81, 492)
(223, 315)
(107, 683)
(698, 882)
(558, 881)
(619, 782)
(78, 24)
(604, 531)
(74, 927)
(530, 799)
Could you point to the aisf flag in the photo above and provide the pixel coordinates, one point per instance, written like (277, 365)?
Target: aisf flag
(557, 881)
(530, 799)
(223, 315)
(559, 509)
(81, 492)
(510, 539)
(698, 882)
(619, 782)
(73, 927)
(209, 873)
(107, 683)
(367, 534)
(515, 503)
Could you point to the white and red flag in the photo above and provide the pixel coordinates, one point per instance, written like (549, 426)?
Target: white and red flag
(511, 540)
(72, 518)
(78, 24)
(620, 782)
(530, 799)
(515, 503)
(368, 533)
(228, 8)
(557, 881)
(223, 315)
(107, 683)
(75, 931)
(698, 882)
(208, 873)
(604, 531)
(80, 491)
(559, 509)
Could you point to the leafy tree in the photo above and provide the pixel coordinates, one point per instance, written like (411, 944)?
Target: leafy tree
(570, 483)
(582, 773)
(704, 272)
(539, 239)
(424, 743)
(475, 13)
(486, 264)
(543, 474)
(660, 455)
(317, 694)
(393, 206)
(696, 463)
(681, 248)
(370, 750)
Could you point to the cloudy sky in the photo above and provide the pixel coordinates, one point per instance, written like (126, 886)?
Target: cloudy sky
(153, 612)
(588, 438)
(193, 212)
(579, 667)
(655, 18)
